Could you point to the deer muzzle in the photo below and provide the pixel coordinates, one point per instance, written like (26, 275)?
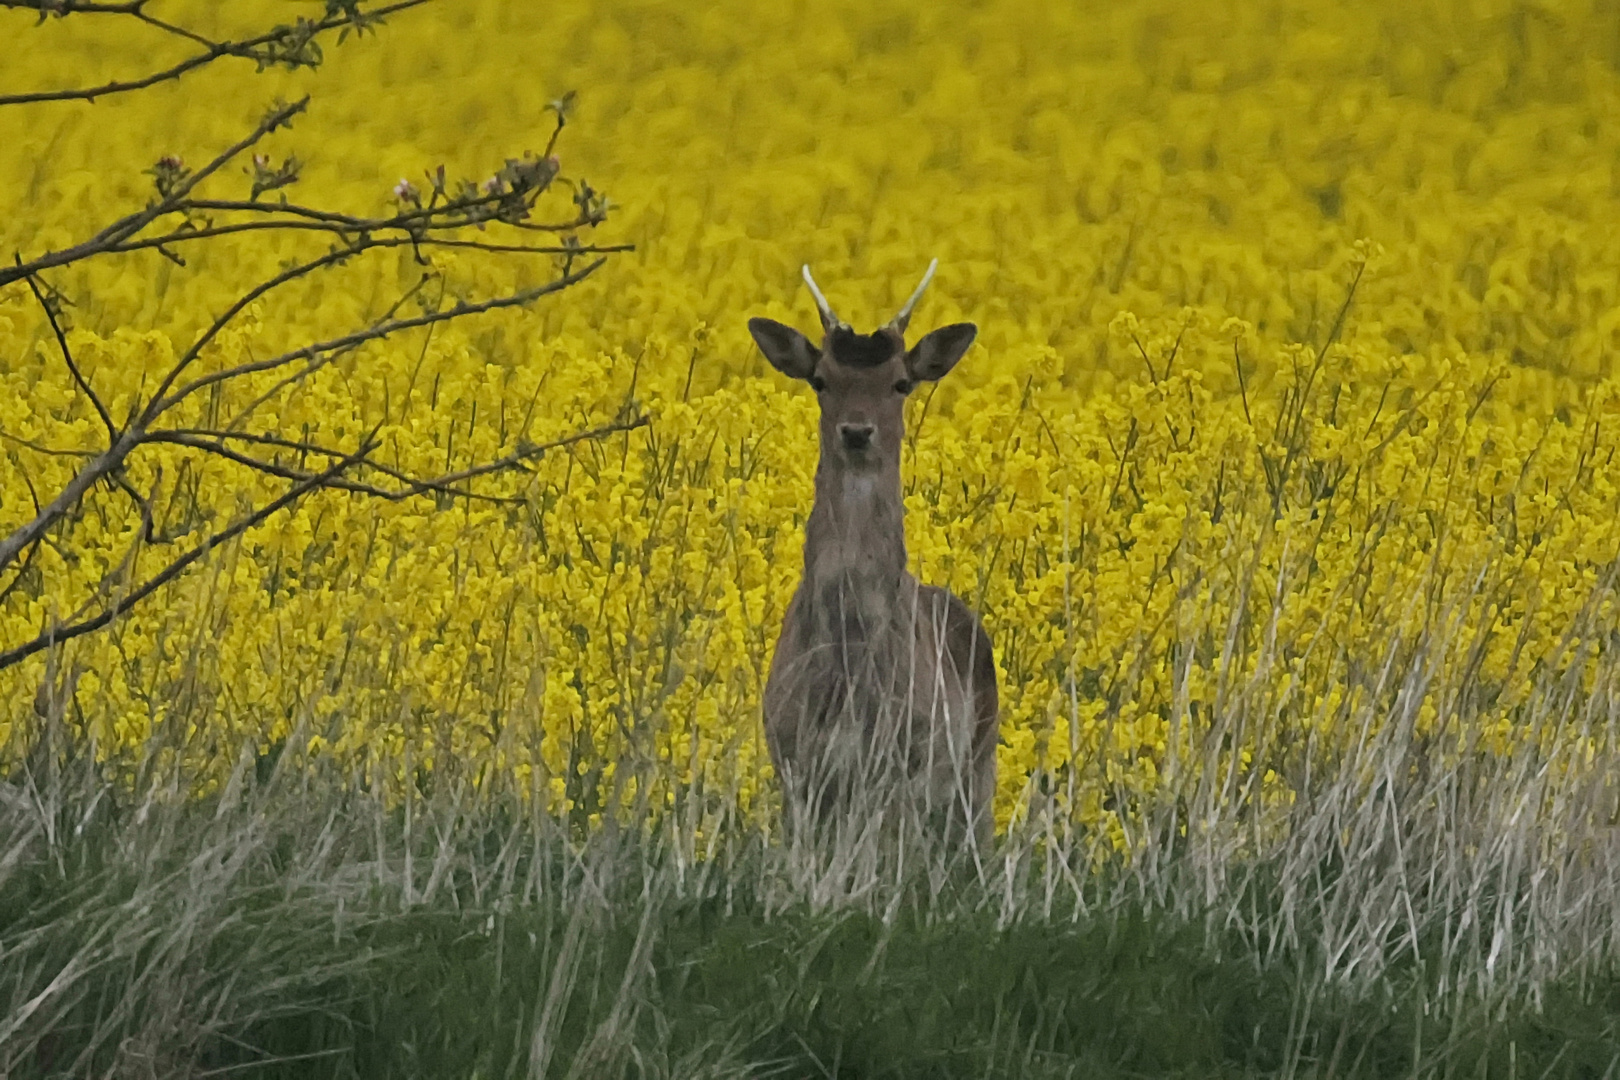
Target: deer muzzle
(856, 436)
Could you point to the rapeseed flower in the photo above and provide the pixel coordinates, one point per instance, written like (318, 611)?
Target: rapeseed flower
(1297, 325)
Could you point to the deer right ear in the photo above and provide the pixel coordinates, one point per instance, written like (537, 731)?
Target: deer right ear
(933, 357)
(789, 351)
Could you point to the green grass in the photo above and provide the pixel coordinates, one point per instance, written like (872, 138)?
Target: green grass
(275, 932)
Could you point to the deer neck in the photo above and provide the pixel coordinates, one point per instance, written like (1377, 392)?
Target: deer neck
(854, 551)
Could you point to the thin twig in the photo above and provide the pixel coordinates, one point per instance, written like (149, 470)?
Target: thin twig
(57, 634)
(132, 436)
(247, 49)
(414, 486)
(418, 218)
(28, 560)
(125, 227)
(86, 478)
(529, 453)
(67, 355)
(316, 365)
(360, 337)
(50, 450)
(328, 478)
(181, 236)
(143, 503)
(61, 8)
(359, 487)
(292, 273)
(416, 224)
(177, 31)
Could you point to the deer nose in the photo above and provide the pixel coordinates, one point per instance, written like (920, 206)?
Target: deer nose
(856, 436)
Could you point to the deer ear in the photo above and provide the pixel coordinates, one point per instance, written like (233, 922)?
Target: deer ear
(789, 351)
(939, 350)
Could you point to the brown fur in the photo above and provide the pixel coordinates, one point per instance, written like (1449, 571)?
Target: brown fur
(880, 684)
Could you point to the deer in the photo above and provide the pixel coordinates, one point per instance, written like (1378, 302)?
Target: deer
(880, 686)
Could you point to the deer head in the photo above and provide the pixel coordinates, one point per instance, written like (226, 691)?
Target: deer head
(861, 380)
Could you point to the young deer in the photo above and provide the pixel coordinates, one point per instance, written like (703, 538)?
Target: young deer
(880, 685)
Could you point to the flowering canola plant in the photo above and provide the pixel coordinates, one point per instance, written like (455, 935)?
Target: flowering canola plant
(1297, 354)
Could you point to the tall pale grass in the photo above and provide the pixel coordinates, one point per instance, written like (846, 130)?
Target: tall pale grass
(145, 928)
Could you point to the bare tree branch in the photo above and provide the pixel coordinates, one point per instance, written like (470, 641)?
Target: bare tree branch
(50, 451)
(87, 477)
(315, 365)
(124, 228)
(524, 454)
(67, 355)
(278, 45)
(58, 634)
(135, 8)
(505, 199)
(177, 31)
(33, 549)
(159, 403)
(305, 483)
(61, 8)
(292, 273)
(143, 503)
(284, 472)
(360, 337)
(422, 218)
(214, 443)
(136, 433)
(210, 232)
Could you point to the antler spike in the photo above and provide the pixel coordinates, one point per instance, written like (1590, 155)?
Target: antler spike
(903, 317)
(828, 320)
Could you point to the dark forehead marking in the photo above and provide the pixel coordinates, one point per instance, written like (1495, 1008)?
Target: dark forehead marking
(860, 350)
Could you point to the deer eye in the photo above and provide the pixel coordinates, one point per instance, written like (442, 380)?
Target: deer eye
(903, 386)
(817, 383)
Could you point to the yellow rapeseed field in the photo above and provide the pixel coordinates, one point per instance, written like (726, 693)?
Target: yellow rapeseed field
(1297, 363)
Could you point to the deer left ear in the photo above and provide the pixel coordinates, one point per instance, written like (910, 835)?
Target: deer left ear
(789, 351)
(939, 350)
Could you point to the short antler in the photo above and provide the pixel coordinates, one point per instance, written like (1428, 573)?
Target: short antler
(904, 316)
(829, 321)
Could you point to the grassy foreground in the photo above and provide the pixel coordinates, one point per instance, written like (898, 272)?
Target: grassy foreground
(292, 925)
